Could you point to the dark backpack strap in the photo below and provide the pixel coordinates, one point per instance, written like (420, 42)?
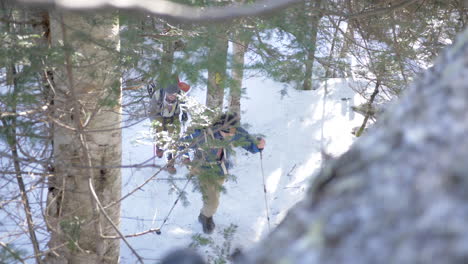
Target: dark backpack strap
(151, 88)
(161, 100)
(161, 95)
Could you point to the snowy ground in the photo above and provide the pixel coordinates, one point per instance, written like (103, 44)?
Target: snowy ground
(296, 125)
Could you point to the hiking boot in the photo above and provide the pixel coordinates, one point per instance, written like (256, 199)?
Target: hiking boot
(186, 161)
(159, 152)
(207, 223)
(171, 169)
(170, 165)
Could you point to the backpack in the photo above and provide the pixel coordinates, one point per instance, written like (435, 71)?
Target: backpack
(158, 106)
(167, 109)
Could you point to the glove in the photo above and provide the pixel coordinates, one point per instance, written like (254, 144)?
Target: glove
(260, 144)
(184, 116)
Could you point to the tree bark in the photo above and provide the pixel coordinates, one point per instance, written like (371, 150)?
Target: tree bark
(166, 63)
(217, 63)
(239, 48)
(399, 194)
(87, 140)
(312, 42)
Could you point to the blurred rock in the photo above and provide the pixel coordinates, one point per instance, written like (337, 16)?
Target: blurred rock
(183, 256)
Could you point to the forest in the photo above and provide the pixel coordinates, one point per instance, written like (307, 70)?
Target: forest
(75, 77)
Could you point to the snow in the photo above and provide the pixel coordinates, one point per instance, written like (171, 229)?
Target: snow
(297, 125)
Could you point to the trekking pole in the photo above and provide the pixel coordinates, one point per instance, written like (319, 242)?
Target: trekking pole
(158, 230)
(154, 153)
(265, 190)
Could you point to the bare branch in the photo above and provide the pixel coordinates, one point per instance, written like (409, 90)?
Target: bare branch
(5, 246)
(176, 11)
(369, 111)
(12, 143)
(24, 113)
(52, 250)
(152, 230)
(116, 228)
(381, 10)
(185, 13)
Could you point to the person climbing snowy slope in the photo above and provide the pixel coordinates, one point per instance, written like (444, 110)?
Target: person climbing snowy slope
(164, 113)
(213, 147)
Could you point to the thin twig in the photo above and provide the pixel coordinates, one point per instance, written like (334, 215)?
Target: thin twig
(290, 171)
(24, 113)
(149, 231)
(14, 254)
(175, 203)
(116, 228)
(381, 10)
(12, 142)
(47, 251)
(368, 110)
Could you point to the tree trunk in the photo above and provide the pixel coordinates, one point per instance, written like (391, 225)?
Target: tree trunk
(399, 194)
(87, 140)
(312, 43)
(239, 49)
(396, 48)
(347, 42)
(167, 61)
(217, 63)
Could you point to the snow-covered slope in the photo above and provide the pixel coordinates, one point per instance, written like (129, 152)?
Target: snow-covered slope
(296, 125)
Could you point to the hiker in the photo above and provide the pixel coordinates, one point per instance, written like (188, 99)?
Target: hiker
(211, 160)
(164, 111)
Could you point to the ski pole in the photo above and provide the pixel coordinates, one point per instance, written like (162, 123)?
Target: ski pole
(265, 190)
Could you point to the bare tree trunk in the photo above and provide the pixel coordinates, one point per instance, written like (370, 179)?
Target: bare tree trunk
(399, 194)
(87, 140)
(217, 63)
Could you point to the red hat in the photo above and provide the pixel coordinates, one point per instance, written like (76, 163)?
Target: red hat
(183, 86)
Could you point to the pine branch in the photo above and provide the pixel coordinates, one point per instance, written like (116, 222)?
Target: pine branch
(14, 254)
(12, 142)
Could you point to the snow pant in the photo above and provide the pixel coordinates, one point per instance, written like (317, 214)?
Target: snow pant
(211, 191)
(171, 125)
